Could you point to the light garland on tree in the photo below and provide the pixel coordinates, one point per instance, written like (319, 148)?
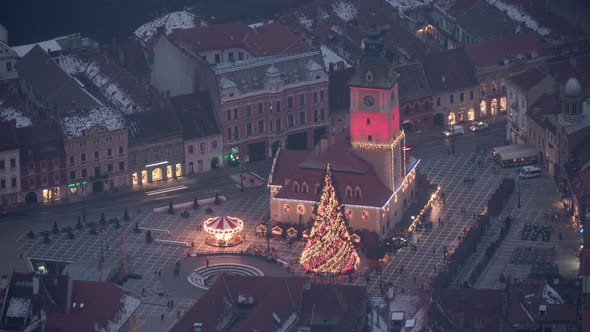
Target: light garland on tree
(329, 248)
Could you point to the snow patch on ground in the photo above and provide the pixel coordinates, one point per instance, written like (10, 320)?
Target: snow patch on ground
(520, 16)
(305, 21)
(9, 113)
(129, 305)
(75, 124)
(108, 86)
(18, 307)
(345, 10)
(331, 57)
(170, 22)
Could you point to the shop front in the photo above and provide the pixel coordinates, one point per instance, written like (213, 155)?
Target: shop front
(157, 172)
(51, 194)
(78, 189)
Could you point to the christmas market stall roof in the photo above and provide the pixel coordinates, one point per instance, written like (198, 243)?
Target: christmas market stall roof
(347, 170)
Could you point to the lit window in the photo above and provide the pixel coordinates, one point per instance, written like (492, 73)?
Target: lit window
(365, 215)
(300, 209)
(304, 187)
(357, 192)
(286, 208)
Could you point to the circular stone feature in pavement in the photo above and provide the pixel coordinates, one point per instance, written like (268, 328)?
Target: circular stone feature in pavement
(204, 277)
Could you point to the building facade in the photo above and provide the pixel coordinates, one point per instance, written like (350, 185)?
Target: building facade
(203, 142)
(524, 89)
(451, 77)
(96, 152)
(43, 163)
(415, 97)
(10, 182)
(273, 102)
(155, 147)
(8, 57)
(373, 177)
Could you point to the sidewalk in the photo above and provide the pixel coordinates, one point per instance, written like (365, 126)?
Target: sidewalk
(209, 177)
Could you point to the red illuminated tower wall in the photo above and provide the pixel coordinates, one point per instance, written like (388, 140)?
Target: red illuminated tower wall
(374, 115)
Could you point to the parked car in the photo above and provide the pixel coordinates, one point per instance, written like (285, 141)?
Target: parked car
(477, 126)
(453, 131)
(396, 242)
(528, 172)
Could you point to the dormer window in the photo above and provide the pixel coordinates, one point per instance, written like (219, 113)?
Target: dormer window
(317, 188)
(295, 187)
(348, 191)
(304, 187)
(357, 192)
(369, 76)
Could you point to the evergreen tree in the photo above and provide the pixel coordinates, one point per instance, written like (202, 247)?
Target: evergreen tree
(103, 220)
(329, 248)
(55, 229)
(126, 215)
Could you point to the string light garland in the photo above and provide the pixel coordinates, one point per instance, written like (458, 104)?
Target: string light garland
(329, 249)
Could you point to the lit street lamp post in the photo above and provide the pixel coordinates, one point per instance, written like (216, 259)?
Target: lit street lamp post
(518, 192)
(241, 176)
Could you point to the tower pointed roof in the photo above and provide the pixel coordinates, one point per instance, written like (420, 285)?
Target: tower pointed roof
(374, 70)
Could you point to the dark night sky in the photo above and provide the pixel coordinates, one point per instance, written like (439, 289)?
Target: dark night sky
(28, 21)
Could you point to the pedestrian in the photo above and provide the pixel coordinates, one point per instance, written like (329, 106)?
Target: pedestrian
(433, 251)
(143, 291)
(171, 304)
(439, 220)
(159, 274)
(350, 277)
(418, 240)
(207, 262)
(177, 313)
(108, 248)
(414, 280)
(560, 236)
(162, 317)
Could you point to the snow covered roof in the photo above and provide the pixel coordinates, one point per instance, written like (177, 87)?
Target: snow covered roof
(74, 125)
(47, 45)
(9, 113)
(404, 5)
(520, 16)
(331, 57)
(170, 22)
(129, 305)
(109, 79)
(18, 307)
(346, 10)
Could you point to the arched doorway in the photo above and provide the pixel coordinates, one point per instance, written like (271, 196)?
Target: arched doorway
(452, 119)
(494, 107)
(483, 108)
(439, 119)
(471, 114)
(31, 198)
(275, 147)
(97, 187)
(407, 125)
(214, 163)
(156, 174)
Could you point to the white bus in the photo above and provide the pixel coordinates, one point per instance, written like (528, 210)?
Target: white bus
(528, 172)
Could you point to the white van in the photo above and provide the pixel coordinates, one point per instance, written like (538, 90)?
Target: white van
(528, 172)
(454, 130)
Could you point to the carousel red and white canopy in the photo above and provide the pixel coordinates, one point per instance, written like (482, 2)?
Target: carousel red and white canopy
(223, 225)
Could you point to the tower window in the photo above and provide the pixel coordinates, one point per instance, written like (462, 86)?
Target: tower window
(304, 187)
(348, 191)
(368, 121)
(317, 188)
(369, 76)
(370, 138)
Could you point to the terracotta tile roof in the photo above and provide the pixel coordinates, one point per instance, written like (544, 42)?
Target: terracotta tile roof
(339, 90)
(347, 170)
(383, 74)
(545, 106)
(8, 139)
(449, 70)
(43, 133)
(271, 295)
(578, 67)
(413, 84)
(326, 302)
(271, 39)
(103, 304)
(560, 27)
(528, 79)
(196, 114)
(493, 52)
(464, 307)
(525, 299)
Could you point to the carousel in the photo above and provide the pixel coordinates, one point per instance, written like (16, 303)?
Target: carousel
(223, 231)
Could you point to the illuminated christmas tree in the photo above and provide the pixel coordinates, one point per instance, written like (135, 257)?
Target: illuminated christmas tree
(329, 248)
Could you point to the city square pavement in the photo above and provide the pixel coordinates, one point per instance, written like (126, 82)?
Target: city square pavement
(407, 269)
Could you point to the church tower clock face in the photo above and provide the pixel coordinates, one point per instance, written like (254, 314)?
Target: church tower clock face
(369, 101)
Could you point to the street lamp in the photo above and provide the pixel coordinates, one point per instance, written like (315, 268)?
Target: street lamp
(241, 176)
(453, 144)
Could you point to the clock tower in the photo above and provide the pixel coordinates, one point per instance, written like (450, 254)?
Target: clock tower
(374, 102)
(375, 133)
